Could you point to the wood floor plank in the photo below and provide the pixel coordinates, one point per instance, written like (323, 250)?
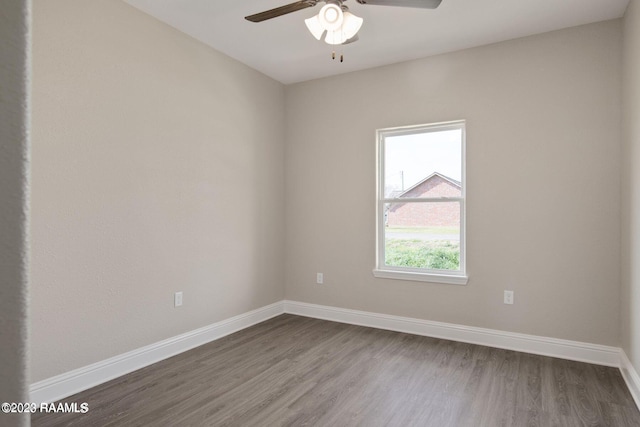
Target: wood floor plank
(297, 371)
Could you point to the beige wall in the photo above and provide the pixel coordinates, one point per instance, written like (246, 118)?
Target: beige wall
(630, 297)
(15, 27)
(543, 138)
(157, 167)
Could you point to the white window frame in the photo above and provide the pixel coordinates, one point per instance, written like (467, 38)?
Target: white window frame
(458, 277)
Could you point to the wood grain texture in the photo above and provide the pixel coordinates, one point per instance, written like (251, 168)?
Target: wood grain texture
(297, 371)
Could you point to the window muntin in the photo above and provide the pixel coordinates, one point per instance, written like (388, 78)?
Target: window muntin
(421, 203)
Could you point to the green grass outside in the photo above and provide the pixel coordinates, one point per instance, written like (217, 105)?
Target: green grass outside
(439, 255)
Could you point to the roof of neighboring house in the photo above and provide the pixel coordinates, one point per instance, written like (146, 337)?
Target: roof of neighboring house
(446, 178)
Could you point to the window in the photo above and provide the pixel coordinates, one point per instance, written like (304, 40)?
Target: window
(421, 203)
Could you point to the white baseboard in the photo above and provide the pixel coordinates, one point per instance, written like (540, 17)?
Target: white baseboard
(69, 383)
(564, 349)
(630, 376)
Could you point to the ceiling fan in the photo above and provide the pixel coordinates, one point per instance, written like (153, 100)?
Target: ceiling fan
(334, 19)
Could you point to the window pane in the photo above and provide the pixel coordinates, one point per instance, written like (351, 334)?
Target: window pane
(422, 235)
(427, 164)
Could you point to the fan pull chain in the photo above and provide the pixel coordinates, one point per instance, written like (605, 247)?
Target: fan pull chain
(333, 55)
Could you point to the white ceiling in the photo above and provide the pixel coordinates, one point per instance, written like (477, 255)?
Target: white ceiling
(283, 48)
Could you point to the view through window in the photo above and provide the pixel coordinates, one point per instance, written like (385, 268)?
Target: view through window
(421, 199)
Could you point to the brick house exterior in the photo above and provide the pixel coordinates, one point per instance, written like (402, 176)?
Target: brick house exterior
(427, 214)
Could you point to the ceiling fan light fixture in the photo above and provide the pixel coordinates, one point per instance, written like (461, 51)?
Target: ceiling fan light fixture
(336, 21)
(335, 37)
(331, 17)
(351, 25)
(313, 24)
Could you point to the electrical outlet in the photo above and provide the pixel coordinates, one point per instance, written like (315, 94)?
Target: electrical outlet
(508, 297)
(177, 299)
(320, 278)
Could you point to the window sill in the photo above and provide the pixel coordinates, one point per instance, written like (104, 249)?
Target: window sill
(421, 277)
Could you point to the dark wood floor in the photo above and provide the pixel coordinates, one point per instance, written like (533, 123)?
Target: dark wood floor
(297, 371)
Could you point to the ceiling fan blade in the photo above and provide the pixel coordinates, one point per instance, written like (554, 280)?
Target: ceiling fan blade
(422, 4)
(282, 10)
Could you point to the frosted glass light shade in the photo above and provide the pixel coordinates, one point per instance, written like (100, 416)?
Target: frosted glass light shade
(335, 37)
(350, 25)
(331, 17)
(313, 24)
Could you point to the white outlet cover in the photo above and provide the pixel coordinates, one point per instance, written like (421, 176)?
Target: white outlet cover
(177, 299)
(508, 297)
